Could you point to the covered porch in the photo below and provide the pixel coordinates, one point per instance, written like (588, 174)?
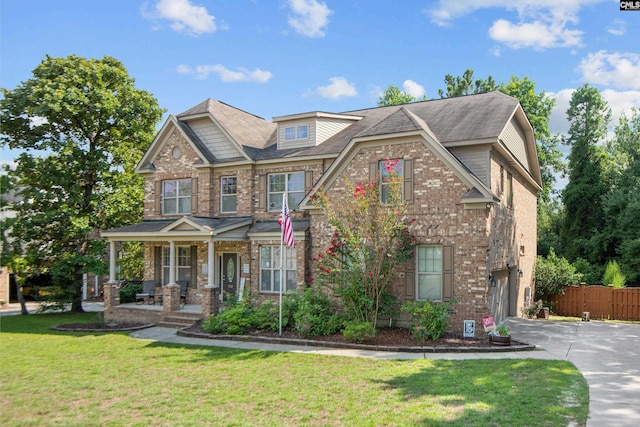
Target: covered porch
(187, 249)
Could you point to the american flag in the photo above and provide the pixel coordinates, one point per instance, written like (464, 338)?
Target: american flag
(285, 223)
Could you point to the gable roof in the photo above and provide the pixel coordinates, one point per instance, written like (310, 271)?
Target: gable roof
(403, 122)
(465, 120)
(246, 129)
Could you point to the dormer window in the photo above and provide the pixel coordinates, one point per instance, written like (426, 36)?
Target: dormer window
(296, 132)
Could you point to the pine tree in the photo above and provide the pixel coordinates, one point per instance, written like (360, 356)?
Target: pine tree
(588, 117)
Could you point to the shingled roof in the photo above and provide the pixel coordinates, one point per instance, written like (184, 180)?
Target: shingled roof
(245, 128)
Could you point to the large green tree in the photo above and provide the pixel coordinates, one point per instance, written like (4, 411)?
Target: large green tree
(82, 125)
(588, 117)
(621, 234)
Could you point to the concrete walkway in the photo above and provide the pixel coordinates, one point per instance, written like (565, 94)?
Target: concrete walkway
(606, 353)
(169, 335)
(33, 307)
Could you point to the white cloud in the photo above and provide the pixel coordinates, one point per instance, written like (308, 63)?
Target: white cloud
(621, 70)
(413, 89)
(338, 88)
(617, 28)
(309, 18)
(184, 16)
(540, 24)
(201, 72)
(537, 35)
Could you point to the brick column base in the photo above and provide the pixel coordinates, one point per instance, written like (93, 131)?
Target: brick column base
(210, 301)
(170, 299)
(111, 295)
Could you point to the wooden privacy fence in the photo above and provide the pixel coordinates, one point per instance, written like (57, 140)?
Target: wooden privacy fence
(602, 302)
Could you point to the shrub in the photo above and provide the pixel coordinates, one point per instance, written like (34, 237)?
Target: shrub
(267, 316)
(234, 320)
(358, 331)
(316, 314)
(530, 311)
(428, 319)
(553, 274)
(128, 292)
(613, 275)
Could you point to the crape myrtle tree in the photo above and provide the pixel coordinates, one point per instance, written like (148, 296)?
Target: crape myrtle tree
(82, 126)
(371, 240)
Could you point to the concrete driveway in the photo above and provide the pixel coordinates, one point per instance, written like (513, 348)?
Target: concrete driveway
(606, 353)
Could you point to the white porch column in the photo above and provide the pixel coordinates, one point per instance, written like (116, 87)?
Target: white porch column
(172, 263)
(210, 262)
(112, 262)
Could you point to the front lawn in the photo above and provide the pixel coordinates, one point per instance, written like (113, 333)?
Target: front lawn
(81, 379)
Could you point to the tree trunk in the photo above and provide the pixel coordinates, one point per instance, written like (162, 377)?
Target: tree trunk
(76, 301)
(23, 304)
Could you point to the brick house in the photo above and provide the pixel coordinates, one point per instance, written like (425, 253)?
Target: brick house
(214, 178)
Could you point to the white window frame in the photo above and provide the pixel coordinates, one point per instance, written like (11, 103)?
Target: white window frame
(183, 263)
(294, 197)
(270, 268)
(384, 185)
(177, 198)
(429, 269)
(228, 196)
(293, 133)
(509, 190)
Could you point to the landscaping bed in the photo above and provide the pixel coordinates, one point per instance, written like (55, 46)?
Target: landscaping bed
(390, 339)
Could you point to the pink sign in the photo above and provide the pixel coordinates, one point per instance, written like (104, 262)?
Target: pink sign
(488, 323)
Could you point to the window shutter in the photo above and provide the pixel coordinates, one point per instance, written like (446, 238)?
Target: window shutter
(407, 180)
(308, 181)
(194, 196)
(447, 273)
(193, 281)
(373, 171)
(410, 280)
(157, 264)
(158, 196)
(262, 192)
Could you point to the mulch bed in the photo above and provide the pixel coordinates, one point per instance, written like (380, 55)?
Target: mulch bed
(386, 339)
(102, 327)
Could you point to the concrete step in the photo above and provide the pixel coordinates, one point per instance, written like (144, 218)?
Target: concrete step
(174, 325)
(179, 320)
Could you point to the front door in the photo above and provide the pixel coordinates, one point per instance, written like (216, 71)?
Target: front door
(229, 274)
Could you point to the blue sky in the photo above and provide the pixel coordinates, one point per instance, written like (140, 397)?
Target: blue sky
(279, 57)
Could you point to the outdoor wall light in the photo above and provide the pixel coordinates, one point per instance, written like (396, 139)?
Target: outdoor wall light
(492, 281)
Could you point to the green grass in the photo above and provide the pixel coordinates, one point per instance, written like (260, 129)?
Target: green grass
(80, 379)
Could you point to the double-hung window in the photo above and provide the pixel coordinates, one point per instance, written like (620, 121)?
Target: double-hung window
(183, 263)
(296, 132)
(228, 193)
(509, 190)
(176, 196)
(270, 271)
(292, 183)
(429, 273)
(389, 168)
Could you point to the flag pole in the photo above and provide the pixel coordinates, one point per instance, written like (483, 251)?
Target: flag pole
(284, 195)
